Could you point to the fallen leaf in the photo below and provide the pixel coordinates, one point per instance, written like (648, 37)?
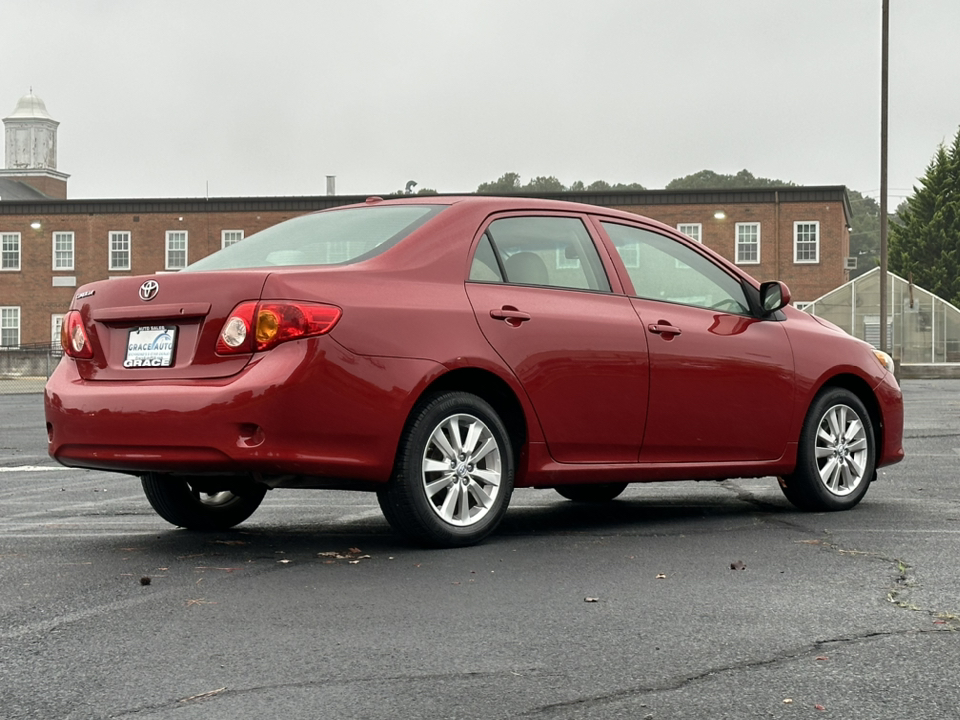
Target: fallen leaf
(591, 599)
(738, 565)
(822, 657)
(230, 542)
(787, 701)
(144, 580)
(355, 551)
(819, 707)
(284, 561)
(661, 576)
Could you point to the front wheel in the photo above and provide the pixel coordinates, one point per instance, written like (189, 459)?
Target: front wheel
(454, 472)
(836, 456)
(594, 493)
(181, 503)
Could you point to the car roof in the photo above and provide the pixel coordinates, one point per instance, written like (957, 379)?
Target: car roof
(495, 203)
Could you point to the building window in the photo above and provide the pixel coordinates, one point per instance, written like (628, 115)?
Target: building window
(56, 324)
(230, 237)
(748, 243)
(10, 251)
(806, 242)
(63, 251)
(802, 305)
(691, 230)
(10, 326)
(119, 251)
(176, 249)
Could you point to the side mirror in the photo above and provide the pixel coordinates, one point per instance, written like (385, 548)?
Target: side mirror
(773, 296)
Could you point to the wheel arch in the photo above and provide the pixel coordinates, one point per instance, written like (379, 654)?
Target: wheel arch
(491, 388)
(859, 387)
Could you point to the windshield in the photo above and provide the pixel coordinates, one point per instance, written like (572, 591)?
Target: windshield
(335, 237)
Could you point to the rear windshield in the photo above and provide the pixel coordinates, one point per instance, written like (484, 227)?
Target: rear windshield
(335, 237)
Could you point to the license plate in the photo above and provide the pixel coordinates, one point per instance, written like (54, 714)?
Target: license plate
(151, 346)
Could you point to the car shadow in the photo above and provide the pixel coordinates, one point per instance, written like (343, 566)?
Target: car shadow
(343, 542)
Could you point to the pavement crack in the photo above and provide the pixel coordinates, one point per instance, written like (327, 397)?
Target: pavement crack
(904, 581)
(679, 683)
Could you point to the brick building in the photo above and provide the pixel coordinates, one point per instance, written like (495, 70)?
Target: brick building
(49, 245)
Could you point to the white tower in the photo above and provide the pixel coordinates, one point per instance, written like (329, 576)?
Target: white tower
(31, 148)
(31, 136)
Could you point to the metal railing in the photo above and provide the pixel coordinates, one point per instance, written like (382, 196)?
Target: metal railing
(25, 368)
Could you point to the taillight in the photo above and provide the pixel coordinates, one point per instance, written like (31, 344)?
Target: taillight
(260, 326)
(73, 336)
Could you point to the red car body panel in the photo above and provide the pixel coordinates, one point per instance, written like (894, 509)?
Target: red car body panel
(601, 397)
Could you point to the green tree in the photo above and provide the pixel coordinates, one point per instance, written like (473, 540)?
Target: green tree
(543, 184)
(710, 180)
(507, 184)
(925, 240)
(864, 232)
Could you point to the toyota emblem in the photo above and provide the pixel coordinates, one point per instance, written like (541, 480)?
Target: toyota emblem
(149, 290)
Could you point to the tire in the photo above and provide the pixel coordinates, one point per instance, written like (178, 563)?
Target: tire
(836, 455)
(454, 473)
(180, 504)
(594, 493)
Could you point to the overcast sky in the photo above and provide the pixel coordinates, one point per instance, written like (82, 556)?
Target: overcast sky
(167, 98)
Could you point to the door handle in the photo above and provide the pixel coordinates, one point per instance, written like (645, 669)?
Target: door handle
(664, 328)
(510, 315)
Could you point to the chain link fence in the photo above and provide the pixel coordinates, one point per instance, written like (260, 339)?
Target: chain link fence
(25, 368)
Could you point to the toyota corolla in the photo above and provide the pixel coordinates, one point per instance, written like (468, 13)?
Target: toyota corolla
(442, 351)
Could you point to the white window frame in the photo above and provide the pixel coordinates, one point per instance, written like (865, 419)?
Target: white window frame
(741, 245)
(116, 236)
(15, 246)
(174, 236)
(696, 228)
(800, 305)
(230, 237)
(56, 323)
(797, 242)
(67, 237)
(10, 319)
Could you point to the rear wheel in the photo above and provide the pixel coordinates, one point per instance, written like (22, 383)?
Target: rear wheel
(595, 493)
(454, 472)
(836, 456)
(181, 503)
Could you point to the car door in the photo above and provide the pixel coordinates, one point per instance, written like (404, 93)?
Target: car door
(544, 302)
(721, 378)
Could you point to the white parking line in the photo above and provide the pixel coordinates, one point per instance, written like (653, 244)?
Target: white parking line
(34, 468)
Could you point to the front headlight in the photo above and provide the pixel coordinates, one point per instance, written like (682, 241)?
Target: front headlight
(884, 359)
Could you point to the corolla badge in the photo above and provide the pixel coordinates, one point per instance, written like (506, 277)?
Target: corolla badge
(149, 290)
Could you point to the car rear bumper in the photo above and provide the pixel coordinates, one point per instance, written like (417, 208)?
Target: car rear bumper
(305, 408)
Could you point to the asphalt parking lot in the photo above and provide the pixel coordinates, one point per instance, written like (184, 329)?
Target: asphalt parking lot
(683, 600)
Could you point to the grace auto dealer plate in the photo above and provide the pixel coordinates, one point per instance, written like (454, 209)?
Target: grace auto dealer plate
(151, 346)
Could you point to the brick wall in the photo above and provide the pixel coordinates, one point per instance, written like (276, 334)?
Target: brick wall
(40, 291)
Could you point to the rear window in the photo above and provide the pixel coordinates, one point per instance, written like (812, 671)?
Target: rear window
(335, 237)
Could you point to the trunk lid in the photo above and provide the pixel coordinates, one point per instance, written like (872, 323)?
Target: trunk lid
(163, 327)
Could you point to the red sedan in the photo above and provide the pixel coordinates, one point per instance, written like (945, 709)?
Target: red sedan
(442, 351)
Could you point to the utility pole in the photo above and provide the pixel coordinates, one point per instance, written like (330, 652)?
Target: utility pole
(885, 52)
